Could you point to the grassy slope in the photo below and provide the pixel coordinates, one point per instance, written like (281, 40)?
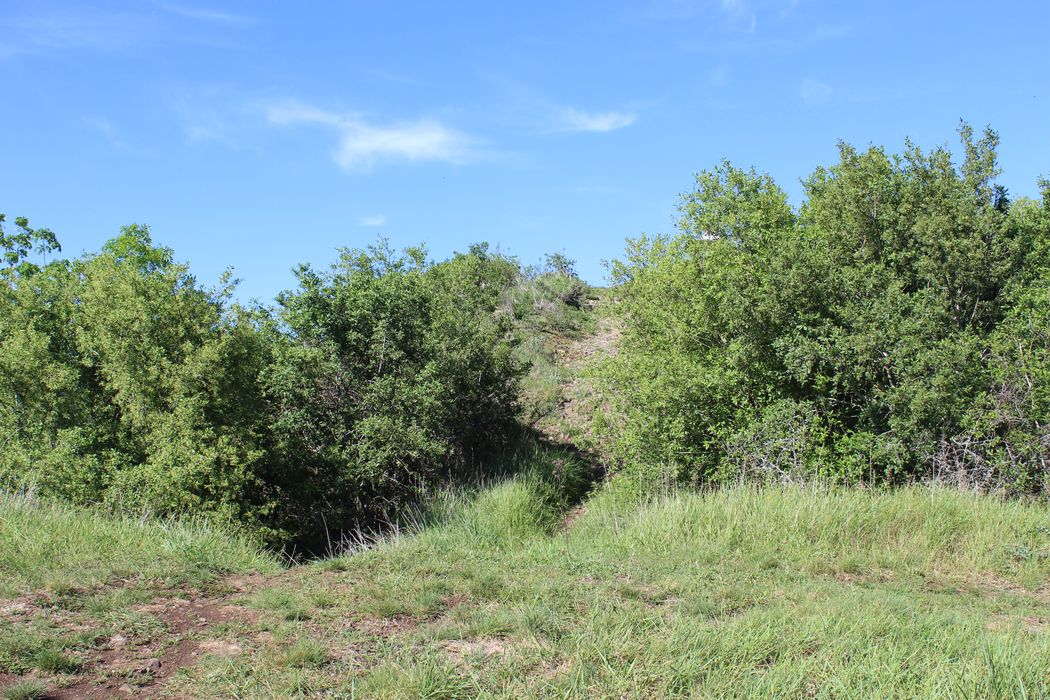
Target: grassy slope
(737, 593)
(71, 579)
(49, 546)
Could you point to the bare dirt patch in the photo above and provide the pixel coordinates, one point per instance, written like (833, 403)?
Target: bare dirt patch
(139, 671)
(1001, 623)
(451, 602)
(572, 516)
(579, 394)
(484, 647)
(867, 578)
(385, 626)
(220, 647)
(119, 667)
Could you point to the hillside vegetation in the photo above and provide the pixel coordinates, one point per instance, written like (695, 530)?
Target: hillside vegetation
(124, 382)
(789, 453)
(894, 327)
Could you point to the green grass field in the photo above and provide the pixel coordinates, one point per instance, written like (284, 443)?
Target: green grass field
(744, 592)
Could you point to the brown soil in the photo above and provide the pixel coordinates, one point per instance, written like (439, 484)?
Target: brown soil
(386, 626)
(572, 516)
(120, 668)
(485, 647)
(578, 395)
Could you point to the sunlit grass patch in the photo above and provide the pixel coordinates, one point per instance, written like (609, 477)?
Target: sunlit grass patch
(745, 592)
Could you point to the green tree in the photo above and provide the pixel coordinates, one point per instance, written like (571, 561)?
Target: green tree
(391, 374)
(15, 248)
(852, 340)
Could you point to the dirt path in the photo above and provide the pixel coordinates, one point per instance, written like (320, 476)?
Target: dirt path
(570, 423)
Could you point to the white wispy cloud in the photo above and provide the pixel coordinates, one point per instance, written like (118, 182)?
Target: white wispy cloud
(737, 12)
(725, 26)
(109, 132)
(75, 30)
(142, 27)
(363, 143)
(813, 92)
(523, 107)
(203, 14)
(736, 8)
(212, 113)
(376, 220)
(575, 120)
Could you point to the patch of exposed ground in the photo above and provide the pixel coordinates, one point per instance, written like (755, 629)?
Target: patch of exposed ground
(386, 626)
(485, 647)
(571, 422)
(572, 516)
(132, 665)
(1027, 623)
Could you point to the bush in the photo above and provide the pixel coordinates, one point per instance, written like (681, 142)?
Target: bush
(391, 374)
(893, 327)
(124, 382)
(548, 299)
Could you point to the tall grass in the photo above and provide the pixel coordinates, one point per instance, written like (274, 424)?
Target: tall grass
(743, 592)
(44, 543)
(820, 529)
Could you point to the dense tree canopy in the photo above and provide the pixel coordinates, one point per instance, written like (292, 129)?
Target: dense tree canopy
(893, 327)
(125, 382)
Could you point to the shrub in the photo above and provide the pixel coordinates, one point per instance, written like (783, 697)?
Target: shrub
(124, 382)
(893, 327)
(390, 374)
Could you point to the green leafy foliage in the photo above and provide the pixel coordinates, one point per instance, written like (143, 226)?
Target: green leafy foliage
(125, 382)
(390, 374)
(16, 248)
(893, 327)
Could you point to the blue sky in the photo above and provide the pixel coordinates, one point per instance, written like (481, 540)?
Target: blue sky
(258, 135)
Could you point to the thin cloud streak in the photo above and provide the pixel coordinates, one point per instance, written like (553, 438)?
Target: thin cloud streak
(362, 143)
(204, 14)
(101, 31)
(105, 127)
(814, 93)
(575, 120)
(83, 30)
